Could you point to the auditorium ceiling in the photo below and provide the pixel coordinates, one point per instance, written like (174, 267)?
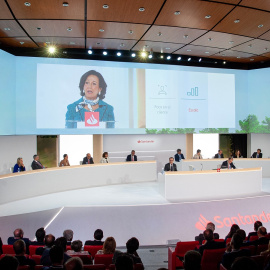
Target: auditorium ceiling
(229, 30)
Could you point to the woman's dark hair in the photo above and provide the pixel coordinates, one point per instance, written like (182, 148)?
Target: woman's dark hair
(104, 154)
(64, 155)
(132, 245)
(233, 230)
(102, 83)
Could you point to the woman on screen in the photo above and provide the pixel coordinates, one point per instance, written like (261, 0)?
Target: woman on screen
(93, 90)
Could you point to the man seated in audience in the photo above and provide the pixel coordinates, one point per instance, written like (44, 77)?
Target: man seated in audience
(234, 251)
(211, 226)
(244, 263)
(49, 242)
(257, 224)
(74, 263)
(19, 249)
(9, 263)
(40, 236)
(56, 258)
(18, 234)
(210, 242)
(76, 248)
(178, 156)
(192, 260)
(98, 235)
(243, 235)
(228, 164)
(170, 166)
(219, 154)
(124, 262)
(68, 234)
(262, 240)
(36, 164)
(88, 159)
(257, 154)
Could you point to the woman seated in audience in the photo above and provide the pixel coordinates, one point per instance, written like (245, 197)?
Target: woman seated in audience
(105, 158)
(233, 230)
(76, 248)
(109, 246)
(19, 166)
(237, 154)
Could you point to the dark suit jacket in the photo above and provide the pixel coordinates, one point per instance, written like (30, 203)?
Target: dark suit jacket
(129, 158)
(211, 245)
(93, 243)
(254, 155)
(224, 165)
(260, 241)
(176, 157)
(200, 237)
(252, 234)
(228, 258)
(11, 240)
(221, 156)
(85, 160)
(168, 167)
(25, 261)
(36, 166)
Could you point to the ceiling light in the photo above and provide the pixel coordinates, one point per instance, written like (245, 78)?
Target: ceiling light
(168, 48)
(7, 29)
(101, 30)
(200, 59)
(237, 21)
(223, 54)
(130, 32)
(69, 29)
(168, 57)
(189, 59)
(21, 42)
(90, 52)
(141, 9)
(161, 56)
(207, 17)
(179, 58)
(177, 13)
(28, 4)
(105, 53)
(51, 49)
(65, 4)
(98, 43)
(207, 52)
(266, 49)
(209, 39)
(143, 54)
(118, 54)
(72, 43)
(133, 54)
(224, 62)
(105, 6)
(231, 42)
(150, 56)
(159, 34)
(188, 50)
(185, 36)
(251, 59)
(238, 57)
(260, 25)
(250, 45)
(122, 45)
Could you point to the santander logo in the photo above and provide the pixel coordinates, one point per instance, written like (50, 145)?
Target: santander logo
(220, 222)
(146, 141)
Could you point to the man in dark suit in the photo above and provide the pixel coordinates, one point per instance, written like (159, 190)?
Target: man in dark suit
(36, 165)
(228, 164)
(257, 154)
(98, 235)
(40, 236)
(211, 226)
(178, 156)
(219, 154)
(18, 234)
(88, 159)
(262, 240)
(210, 242)
(257, 224)
(170, 166)
(132, 157)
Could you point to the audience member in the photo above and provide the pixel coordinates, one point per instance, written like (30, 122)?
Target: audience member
(74, 263)
(98, 235)
(19, 166)
(211, 226)
(105, 158)
(228, 164)
(64, 161)
(124, 262)
(1, 245)
(36, 164)
(170, 166)
(56, 257)
(18, 234)
(192, 260)
(257, 224)
(232, 231)
(178, 156)
(88, 159)
(76, 248)
(246, 263)
(257, 154)
(9, 262)
(49, 242)
(109, 246)
(68, 234)
(242, 233)
(219, 154)
(198, 155)
(40, 236)
(235, 245)
(20, 249)
(132, 156)
(262, 240)
(210, 242)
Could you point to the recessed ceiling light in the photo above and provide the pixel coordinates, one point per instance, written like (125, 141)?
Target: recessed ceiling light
(224, 62)
(237, 21)
(223, 54)
(90, 51)
(51, 49)
(161, 56)
(207, 17)
(260, 25)
(101, 30)
(65, 4)
(105, 6)
(238, 57)
(38, 28)
(72, 43)
(189, 59)
(250, 45)
(98, 43)
(215, 62)
(146, 46)
(48, 42)
(188, 50)
(179, 58)
(21, 42)
(177, 13)
(209, 39)
(185, 36)
(28, 4)
(143, 54)
(130, 32)
(150, 56)
(251, 59)
(133, 54)
(206, 52)
(7, 29)
(118, 54)
(200, 59)
(122, 45)
(141, 9)
(159, 34)
(105, 53)
(266, 49)
(168, 57)
(69, 29)
(231, 42)
(167, 48)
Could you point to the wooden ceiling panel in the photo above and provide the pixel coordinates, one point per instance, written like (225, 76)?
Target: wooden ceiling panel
(198, 51)
(51, 28)
(48, 9)
(60, 42)
(4, 11)
(233, 2)
(20, 42)
(255, 46)
(159, 47)
(172, 34)
(220, 40)
(265, 36)
(236, 55)
(192, 13)
(110, 44)
(250, 19)
(10, 28)
(250, 59)
(123, 11)
(115, 30)
(259, 4)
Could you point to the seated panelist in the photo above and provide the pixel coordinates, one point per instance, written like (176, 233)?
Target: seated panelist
(228, 164)
(219, 154)
(238, 154)
(132, 156)
(170, 166)
(105, 158)
(64, 162)
(178, 156)
(257, 154)
(19, 166)
(88, 159)
(198, 155)
(36, 164)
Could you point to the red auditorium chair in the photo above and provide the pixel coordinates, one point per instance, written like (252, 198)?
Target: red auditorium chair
(8, 249)
(86, 259)
(32, 249)
(259, 260)
(68, 247)
(216, 240)
(137, 266)
(211, 258)
(38, 267)
(261, 248)
(253, 238)
(92, 249)
(104, 259)
(222, 267)
(251, 248)
(36, 258)
(95, 267)
(228, 240)
(24, 267)
(179, 251)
